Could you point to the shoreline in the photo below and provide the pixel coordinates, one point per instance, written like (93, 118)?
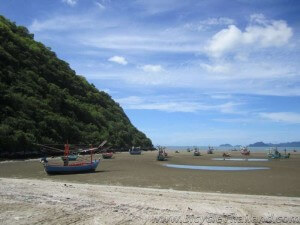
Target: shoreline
(28, 201)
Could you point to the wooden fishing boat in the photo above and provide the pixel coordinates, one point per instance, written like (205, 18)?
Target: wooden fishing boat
(162, 155)
(197, 152)
(135, 151)
(275, 154)
(82, 167)
(76, 167)
(226, 155)
(245, 151)
(210, 150)
(107, 155)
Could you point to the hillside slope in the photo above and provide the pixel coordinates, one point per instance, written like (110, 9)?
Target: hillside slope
(42, 100)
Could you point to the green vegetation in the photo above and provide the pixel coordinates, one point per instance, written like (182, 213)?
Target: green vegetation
(42, 100)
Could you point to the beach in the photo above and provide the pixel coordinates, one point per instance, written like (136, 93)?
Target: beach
(138, 189)
(282, 179)
(28, 201)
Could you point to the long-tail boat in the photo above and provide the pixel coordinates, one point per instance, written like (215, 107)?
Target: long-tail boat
(210, 150)
(135, 151)
(245, 151)
(76, 167)
(197, 152)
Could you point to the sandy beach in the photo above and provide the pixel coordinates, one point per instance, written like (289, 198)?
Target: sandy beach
(282, 179)
(27, 201)
(141, 190)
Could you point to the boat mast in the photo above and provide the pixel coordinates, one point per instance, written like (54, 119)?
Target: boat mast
(67, 149)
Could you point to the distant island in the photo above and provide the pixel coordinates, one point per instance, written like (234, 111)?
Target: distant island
(285, 144)
(225, 145)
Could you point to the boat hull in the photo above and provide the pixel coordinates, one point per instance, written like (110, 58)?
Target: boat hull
(75, 168)
(135, 152)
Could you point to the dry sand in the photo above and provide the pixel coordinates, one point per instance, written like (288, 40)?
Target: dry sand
(27, 201)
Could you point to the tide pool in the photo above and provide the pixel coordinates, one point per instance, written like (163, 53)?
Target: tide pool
(215, 168)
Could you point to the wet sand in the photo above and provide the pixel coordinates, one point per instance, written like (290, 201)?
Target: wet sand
(282, 179)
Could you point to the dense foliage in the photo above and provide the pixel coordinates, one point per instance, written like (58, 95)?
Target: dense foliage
(42, 100)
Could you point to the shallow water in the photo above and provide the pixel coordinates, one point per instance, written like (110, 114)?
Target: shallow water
(241, 159)
(215, 168)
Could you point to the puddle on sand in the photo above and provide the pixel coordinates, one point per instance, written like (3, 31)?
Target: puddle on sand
(241, 159)
(215, 168)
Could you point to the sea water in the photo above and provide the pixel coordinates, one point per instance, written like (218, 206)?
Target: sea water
(215, 168)
(223, 149)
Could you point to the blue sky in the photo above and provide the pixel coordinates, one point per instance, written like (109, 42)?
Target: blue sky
(194, 72)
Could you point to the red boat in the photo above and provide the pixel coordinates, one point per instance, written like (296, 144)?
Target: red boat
(245, 151)
(107, 155)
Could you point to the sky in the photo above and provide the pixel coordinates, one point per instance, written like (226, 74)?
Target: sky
(193, 72)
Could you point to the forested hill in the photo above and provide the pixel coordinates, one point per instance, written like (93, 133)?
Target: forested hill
(42, 100)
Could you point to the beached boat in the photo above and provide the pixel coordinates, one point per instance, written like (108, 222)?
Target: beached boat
(77, 167)
(226, 155)
(245, 151)
(210, 150)
(197, 152)
(135, 151)
(107, 155)
(81, 167)
(162, 155)
(275, 154)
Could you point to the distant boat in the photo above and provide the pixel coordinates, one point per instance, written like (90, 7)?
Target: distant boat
(226, 155)
(210, 150)
(275, 154)
(162, 155)
(245, 151)
(107, 155)
(197, 152)
(135, 151)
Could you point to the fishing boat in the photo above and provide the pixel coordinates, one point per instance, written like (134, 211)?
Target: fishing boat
(226, 155)
(245, 151)
(107, 155)
(197, 152)
(275, 154)
(210, 150)
(135, 151)
(76, 167)
(162, 155)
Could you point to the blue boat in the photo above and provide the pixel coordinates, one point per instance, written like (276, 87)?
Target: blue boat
(82, 167)
(135, 151)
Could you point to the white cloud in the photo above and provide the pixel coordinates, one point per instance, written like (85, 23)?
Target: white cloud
(217, 68)
(285, 117)
(206, 24)
(261, 33)
(70, 2)
(118, 59)
(152, 68)
(61, 23)
(167, 104)
(100, 5)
